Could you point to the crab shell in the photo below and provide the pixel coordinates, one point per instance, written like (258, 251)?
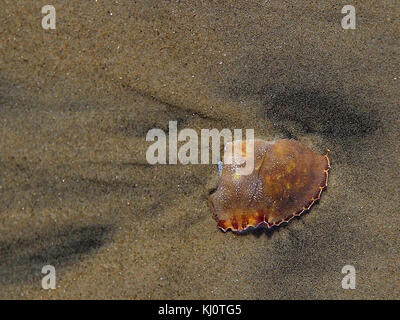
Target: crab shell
(286, 180)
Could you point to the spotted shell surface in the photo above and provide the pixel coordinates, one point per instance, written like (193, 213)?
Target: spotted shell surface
(286, 180)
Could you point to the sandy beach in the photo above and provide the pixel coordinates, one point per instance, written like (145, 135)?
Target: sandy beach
(77, 192)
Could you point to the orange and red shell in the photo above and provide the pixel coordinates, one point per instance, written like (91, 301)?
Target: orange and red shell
(287, 179)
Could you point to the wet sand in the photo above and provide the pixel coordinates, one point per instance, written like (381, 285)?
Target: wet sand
(77, 192)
